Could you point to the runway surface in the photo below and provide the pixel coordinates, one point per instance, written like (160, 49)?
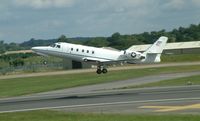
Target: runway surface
(119, 84)
(101, 98)
(96, 88)
(149, 100)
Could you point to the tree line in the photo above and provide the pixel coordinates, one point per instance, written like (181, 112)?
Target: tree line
(9, 47)
(116, 40)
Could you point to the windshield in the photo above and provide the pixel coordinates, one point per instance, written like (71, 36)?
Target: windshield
(53, 45)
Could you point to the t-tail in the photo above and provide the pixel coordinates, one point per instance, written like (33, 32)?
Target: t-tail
(154, 52)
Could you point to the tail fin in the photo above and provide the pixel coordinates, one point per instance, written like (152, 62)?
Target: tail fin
(154, 52)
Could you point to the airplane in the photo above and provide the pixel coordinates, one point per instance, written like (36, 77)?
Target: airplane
(101, 56)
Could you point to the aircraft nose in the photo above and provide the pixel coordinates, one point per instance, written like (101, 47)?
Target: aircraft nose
(38, 49)
(35, 48)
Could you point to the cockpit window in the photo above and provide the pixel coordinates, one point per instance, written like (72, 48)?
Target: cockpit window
(53, 45)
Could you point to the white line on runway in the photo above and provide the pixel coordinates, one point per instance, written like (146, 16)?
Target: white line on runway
(169, 92)
(100, 104)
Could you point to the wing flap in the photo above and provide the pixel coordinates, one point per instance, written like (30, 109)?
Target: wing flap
(97, 60)
(103, 61)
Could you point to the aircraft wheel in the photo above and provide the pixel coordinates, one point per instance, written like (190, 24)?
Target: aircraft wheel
(45, 62)
(98, 71)
(104, 71)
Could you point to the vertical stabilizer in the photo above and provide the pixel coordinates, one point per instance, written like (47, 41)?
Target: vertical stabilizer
(154, 52)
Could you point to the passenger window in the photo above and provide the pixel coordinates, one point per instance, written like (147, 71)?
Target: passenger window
(88, 51)
(92, 52)
(77, 50)
(83, 51)
(72, 49)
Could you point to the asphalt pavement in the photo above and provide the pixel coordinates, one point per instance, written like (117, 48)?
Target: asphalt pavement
(108, 98)
(121, 101)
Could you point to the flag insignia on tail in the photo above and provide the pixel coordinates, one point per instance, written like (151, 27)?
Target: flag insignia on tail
(158, 43)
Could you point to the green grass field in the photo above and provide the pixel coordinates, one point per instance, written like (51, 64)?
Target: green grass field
(180, 58)
(193, 80)
(62, 116)
(40, 59)
(23, 86)
(3, 64)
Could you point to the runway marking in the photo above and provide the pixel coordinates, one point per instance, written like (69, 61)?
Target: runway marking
(98, 104)
(172, 108)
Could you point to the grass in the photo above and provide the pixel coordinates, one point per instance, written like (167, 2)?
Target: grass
(3, 64)
(33, 60)
(23, 86)
(40, 59)
(180, 58)
(62, 116)
(194, 80)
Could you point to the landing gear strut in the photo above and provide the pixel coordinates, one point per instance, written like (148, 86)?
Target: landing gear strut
(101, 69)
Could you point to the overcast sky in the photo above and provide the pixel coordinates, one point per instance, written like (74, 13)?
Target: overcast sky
(21, 20)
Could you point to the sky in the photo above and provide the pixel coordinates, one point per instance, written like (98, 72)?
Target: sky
(21, 20)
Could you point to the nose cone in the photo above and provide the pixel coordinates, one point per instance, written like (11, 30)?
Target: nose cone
(37, 49)
(40, 50)
(34, 48)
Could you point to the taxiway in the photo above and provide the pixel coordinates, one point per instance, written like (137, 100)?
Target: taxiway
(147, 100)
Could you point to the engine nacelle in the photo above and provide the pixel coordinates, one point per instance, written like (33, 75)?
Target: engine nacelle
(134, 55)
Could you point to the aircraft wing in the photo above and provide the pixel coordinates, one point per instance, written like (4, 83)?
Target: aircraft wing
(96, 60)
(103, 61)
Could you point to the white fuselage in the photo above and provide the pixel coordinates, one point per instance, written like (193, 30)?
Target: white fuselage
(102, 56)
(79, 52)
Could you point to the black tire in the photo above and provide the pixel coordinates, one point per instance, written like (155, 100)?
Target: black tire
(99, 71)
(104, 71)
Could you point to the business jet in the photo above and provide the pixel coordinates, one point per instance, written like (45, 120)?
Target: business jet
(101, 56)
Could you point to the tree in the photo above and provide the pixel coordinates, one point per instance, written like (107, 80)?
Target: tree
(115, 40)
(2, 47)
(97, 42)
(63, 38)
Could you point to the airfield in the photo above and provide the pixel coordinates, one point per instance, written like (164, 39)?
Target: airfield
(113, 97)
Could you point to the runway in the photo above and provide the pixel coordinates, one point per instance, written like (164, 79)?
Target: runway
(108, 98)
(119, 84)
(149, 100)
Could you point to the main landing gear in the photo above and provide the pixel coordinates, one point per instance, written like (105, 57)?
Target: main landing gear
(101, 69)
